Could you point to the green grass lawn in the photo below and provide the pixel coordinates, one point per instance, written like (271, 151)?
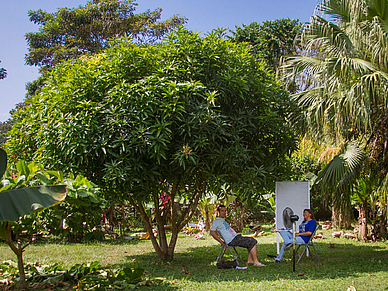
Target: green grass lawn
(349, 263)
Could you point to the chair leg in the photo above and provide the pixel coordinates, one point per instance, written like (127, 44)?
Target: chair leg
(307, 248)
(230, 251)
(316, 254)
(221, 254)
(304, 250)
(233, 255)
(238, 255)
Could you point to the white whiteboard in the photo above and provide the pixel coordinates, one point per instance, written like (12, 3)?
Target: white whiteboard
(293, 194)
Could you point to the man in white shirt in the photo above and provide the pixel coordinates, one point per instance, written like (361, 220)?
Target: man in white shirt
(231, 238)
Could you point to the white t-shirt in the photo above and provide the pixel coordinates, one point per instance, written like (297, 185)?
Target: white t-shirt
(227, 233)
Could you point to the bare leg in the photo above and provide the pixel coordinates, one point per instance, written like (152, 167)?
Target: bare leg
(252, 257)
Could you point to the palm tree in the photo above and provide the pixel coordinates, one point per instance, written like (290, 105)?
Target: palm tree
(342, 71)
(338, 180)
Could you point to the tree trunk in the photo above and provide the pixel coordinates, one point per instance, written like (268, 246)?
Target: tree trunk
(19, 253)
(362, 223)
(207, 212)
(164, 252)
(345, 220)
(168, 251)
(334, 217)
(340, 219)
(238, 220)
(383, 224)
(122, 229)
(163, 249)
(241, 218)
(22, 274)
(111, 216)
(207, 217)
(147, 223)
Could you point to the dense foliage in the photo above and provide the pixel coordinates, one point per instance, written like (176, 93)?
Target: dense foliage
(4, 128)
(73, 218)
(28, 189)
(80, 276)
(70, 33)
(270, 40)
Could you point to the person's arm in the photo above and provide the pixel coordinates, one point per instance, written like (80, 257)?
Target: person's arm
(307, 233)
(214, 234)
(309, 226)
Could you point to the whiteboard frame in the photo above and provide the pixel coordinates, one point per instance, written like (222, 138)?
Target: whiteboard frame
(293, 194)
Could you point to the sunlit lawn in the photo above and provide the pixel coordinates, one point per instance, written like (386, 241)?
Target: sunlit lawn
(349, 263)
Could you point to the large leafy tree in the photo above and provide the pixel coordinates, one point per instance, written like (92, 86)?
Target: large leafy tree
(270, 40)
(70, 33)
(167, 120)
(342, 70)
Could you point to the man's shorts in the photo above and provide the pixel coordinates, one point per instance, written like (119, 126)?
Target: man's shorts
(243, 241)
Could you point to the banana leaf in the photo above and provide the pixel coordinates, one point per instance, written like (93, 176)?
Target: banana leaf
(3, 162)
(19, 202)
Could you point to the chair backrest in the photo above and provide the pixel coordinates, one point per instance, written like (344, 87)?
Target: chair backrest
(312, 235)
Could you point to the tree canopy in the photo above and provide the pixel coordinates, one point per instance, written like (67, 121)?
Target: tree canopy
(72, 32)
(270, 40)
(174, 117)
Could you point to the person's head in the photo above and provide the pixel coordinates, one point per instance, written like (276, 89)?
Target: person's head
(308, 214)
(221, 209)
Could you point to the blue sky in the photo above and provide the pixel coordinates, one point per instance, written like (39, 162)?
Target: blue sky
(203, 16)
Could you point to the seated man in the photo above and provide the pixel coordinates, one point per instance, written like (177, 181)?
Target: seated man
(231, 238)
(306, 229)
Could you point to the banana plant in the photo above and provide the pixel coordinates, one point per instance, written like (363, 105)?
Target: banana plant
(16, 202)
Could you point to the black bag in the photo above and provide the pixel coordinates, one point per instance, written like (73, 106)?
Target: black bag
(227, 264)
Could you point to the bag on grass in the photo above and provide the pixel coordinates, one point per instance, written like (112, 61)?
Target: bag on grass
(227, 264)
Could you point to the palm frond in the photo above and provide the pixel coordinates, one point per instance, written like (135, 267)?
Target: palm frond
(343, 168)
(329, 37)
(328, 154)
(382, 191)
